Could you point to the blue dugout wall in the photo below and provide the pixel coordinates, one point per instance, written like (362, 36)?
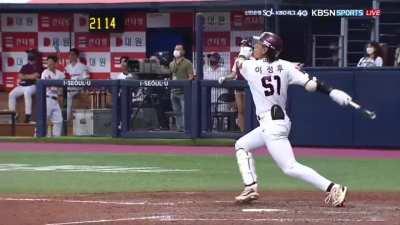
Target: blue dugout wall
(316, 120)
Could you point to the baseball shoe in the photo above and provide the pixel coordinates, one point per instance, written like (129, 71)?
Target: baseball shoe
(337, 196)
(248, 195)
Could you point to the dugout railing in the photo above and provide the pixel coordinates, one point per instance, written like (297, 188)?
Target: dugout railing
(206, 112)
(190, 108)
(196, 114)
(111, 86)
(316, 120)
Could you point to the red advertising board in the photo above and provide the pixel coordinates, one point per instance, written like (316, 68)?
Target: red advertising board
(217, 41)
(19, 41)
(92, 42)
(55, 22)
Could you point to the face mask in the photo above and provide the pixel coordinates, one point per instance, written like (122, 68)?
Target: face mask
(214, 63)
(370, 50)
(177, 53)
(31, 57)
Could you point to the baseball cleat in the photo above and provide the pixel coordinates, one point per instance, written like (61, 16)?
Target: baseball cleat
(248, 195)
(337, 196)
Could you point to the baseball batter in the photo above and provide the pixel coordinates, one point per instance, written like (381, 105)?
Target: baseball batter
(77, 71)
(268, 78)
(53, 108)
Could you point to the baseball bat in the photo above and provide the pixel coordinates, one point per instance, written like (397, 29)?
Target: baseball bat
(370, 114)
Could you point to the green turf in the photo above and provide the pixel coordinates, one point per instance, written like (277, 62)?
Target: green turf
(215, 173)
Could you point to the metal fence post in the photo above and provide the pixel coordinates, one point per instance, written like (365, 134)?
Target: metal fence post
(124, 109)
(116, 103)
(199, 45)
(195, 109)
(249, 114)
(41, 117)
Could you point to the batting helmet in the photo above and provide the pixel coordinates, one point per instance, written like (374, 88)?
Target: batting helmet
(270, 40)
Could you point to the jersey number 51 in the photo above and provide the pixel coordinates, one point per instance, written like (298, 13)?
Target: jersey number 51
(267, 84)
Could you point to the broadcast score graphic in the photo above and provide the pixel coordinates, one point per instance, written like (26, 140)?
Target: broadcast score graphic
(314, 12)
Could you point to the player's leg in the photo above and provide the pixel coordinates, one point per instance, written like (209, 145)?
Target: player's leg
(70, 97)
(182, 111)
(240, 101)
(246, 163)
(56, 118)
(28, 92)
(176, 107)
(12, 97)
(275, 136)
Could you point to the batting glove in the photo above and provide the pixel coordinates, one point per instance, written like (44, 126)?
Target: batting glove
(340, 97)
(245, 52)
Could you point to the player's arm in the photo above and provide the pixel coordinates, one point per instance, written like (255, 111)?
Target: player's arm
(44, 75)
(312, 84)
(230, 76)
(31, 76)
(84, 73)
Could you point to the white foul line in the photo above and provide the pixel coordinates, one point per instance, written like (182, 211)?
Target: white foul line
(264, 210)
(111, 220)
(75, 201)
(170, 218)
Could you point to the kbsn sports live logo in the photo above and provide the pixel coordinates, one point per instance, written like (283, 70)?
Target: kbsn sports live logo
(345, 12)
(315, 12)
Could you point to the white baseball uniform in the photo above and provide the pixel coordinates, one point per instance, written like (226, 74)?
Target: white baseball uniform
(268, 84)
(77, 71)
(53, 108)
(121, 76)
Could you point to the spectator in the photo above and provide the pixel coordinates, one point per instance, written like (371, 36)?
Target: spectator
(28, 75)
(53, 108)
(125, 74)
(397, 56)
(213, 71)
(76, 71)
(373, 57)
(181, 69)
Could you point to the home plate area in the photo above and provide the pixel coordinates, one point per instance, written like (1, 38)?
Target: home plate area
(198, 208)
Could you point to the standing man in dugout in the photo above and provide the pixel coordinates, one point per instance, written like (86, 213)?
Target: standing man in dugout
(28, 75)
(181, 69)
(53, 109)
(77, 71)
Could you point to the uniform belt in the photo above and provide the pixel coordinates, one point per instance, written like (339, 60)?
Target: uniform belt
(276, 113)
(52, 97)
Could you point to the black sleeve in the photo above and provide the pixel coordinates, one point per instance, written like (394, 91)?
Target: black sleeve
(323, 88)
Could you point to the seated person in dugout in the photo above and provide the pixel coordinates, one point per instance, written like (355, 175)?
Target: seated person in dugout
(28, 75)
(212, 71)
(125, 74)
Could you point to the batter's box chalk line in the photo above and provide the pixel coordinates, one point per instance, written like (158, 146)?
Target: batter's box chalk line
(264, 210)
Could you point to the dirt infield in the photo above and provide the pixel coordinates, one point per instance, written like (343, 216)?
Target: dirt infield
(198, 208)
